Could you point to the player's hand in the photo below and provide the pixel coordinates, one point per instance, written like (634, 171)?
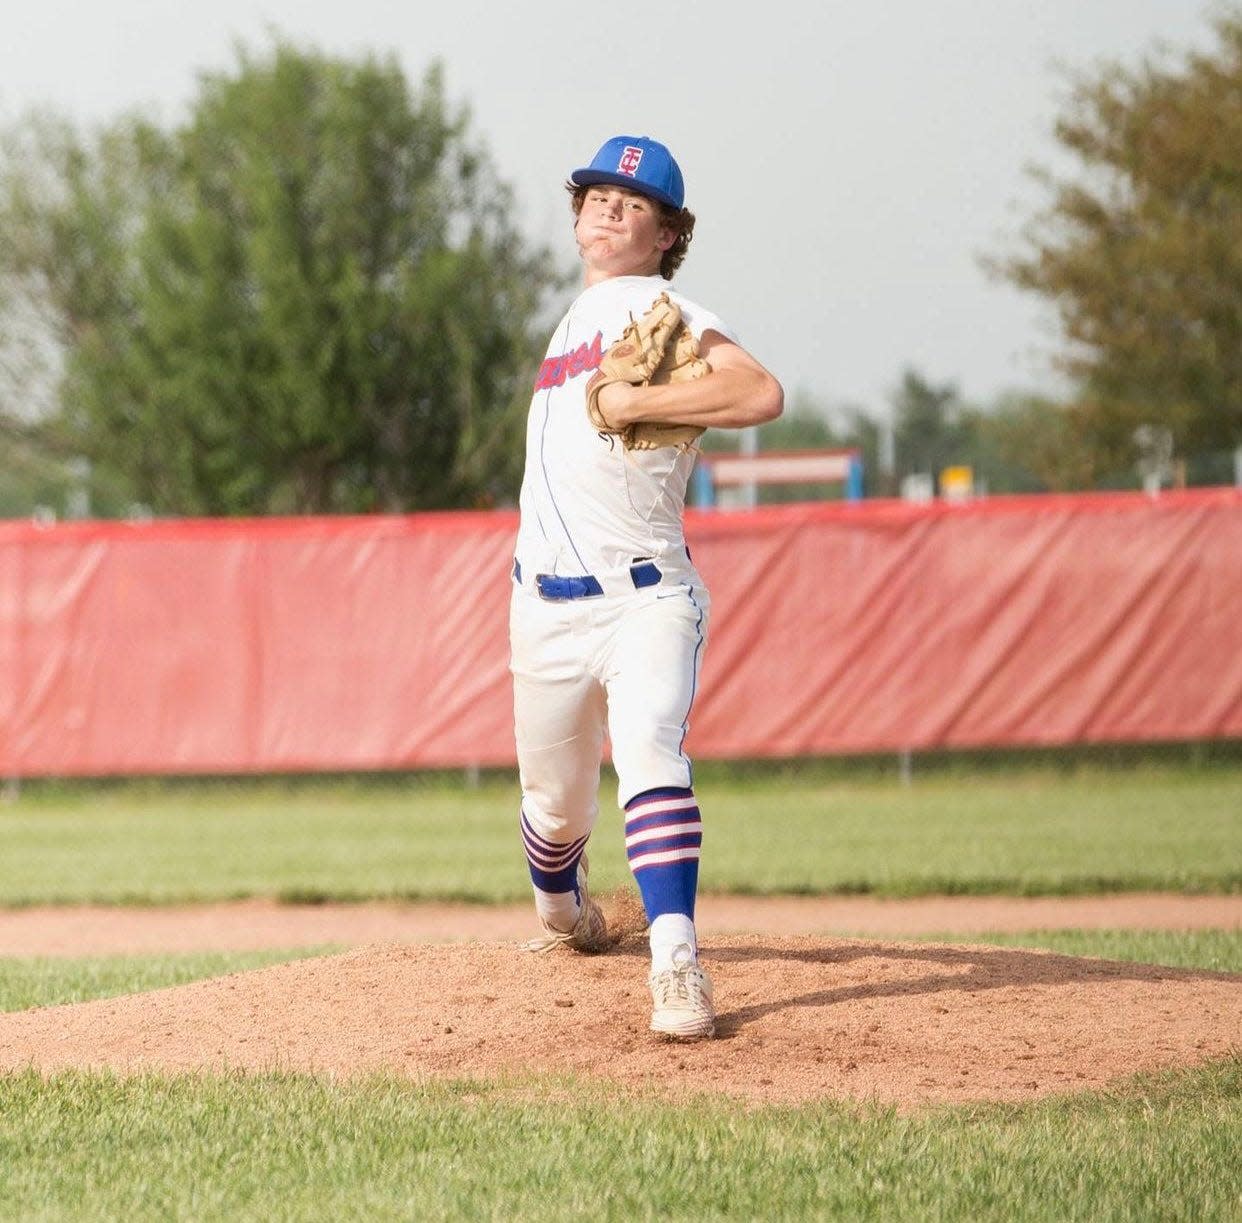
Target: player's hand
(617, 402)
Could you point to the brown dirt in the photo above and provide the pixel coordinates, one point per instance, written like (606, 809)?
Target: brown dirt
(800, 1018)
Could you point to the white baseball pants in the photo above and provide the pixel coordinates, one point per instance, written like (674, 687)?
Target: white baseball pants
(625, 666)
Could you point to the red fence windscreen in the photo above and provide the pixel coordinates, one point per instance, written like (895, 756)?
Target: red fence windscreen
(381, 642)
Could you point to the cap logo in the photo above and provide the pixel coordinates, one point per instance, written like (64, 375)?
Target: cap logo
(630, 157)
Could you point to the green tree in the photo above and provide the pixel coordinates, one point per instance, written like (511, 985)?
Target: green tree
(1028, 444)
(1140, 250)
(928, 432)
(308, 298)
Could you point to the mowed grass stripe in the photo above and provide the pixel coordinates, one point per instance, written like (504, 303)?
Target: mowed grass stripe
(89, 1147)
(30, 981)
(1212, 950)
(1163, 827)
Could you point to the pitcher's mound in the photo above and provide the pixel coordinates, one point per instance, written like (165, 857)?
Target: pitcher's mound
(799, 1019)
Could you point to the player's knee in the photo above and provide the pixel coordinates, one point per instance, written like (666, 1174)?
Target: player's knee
(657, 769)
(555, 817)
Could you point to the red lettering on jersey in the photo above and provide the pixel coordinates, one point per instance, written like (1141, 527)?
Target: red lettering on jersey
(582, 359)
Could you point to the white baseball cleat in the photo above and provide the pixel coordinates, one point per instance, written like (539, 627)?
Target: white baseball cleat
(590, 932)
(681, 999)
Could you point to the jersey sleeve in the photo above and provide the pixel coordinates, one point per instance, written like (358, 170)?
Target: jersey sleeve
(700, 320)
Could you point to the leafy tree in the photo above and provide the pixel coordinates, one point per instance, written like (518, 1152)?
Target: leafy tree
(926, 420)
(308, 298)
(1141, 250)
(1028, 444)
(870, 435)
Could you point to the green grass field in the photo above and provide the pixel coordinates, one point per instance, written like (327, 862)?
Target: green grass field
(1027, 832)
(27, 981)
(94, 1146)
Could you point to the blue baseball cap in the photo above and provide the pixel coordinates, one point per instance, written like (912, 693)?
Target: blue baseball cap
(639, 163)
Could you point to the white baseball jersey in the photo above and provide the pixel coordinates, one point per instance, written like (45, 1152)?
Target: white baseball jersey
(588, 505)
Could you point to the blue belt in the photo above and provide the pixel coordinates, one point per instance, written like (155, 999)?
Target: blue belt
(550, 586)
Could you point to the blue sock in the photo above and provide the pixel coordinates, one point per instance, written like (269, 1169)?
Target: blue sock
(553, 867)
(663, 837)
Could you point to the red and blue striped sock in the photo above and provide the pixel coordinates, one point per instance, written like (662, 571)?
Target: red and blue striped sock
(554, 875)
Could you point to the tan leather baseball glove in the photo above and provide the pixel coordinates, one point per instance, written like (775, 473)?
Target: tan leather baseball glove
(656, 348)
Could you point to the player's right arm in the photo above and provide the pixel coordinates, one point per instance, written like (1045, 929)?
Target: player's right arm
(738, 393)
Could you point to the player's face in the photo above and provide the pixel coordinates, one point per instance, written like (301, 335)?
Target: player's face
(620, 233)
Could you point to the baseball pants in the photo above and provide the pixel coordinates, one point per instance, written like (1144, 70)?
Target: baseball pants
(623, 668)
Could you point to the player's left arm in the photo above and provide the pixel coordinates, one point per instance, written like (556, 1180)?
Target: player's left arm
(737, 393)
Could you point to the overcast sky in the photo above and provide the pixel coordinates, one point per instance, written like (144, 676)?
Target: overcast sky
(849, 160)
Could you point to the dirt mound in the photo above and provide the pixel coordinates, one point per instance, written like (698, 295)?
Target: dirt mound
(800, 1018)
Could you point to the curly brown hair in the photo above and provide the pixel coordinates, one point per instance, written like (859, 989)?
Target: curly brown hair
(681, 220)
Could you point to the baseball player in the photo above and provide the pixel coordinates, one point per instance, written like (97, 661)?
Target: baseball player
(608, 617)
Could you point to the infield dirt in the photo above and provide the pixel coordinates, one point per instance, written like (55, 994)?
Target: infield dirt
(800, 1018)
